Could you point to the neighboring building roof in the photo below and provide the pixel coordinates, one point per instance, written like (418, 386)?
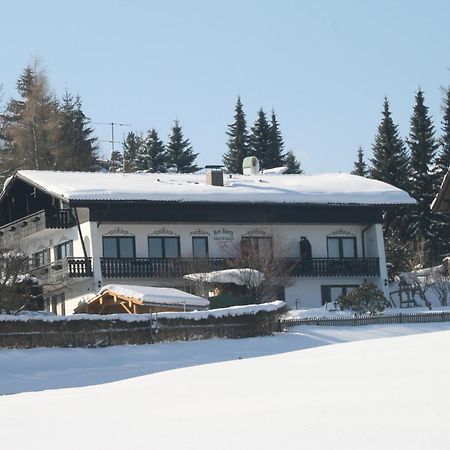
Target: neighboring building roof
(156, 295)
(242, 277)
(332, 188)
(441, 202)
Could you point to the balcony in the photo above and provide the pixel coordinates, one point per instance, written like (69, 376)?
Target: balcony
(159, 267)
(177, 267)
(12, 232)
(335, 267)
(61, 271)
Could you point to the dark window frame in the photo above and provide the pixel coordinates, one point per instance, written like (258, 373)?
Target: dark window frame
(326, 290)
(163, 246)
(340, 239)
(40, 262)
(57, 250)
(117, 239)
(206, 240)
(254, 243)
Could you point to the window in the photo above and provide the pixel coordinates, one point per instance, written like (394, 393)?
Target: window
(118, 247)
(41, 258)
(341, 247)
(330, 293)
(261, 247)
(163, 247)
(63, 250)
(199, 247)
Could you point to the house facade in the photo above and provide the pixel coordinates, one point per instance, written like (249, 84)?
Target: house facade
(86, 230)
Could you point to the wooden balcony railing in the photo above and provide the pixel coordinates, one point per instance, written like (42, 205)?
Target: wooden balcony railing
(335, 267)
(12, 232)
(159, 267)
(177, 267)
(58, 271)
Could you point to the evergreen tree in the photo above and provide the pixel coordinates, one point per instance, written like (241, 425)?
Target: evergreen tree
(275, 156)
(180, 156)
(359, 166)
(131, 147)
(443, 159)
(423, 224)
(260, 140)
(390, 160)
(30, 124)
(152, 156)
(115, 164)
(238, 145)
(292, 163)
(77, 149)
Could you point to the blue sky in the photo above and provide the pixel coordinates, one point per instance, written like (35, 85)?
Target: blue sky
(324, 66)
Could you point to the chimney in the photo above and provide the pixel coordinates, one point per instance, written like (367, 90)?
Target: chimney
(214, 176)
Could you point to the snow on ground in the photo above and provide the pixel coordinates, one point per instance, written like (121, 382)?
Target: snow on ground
(51, 368)
(388, 393)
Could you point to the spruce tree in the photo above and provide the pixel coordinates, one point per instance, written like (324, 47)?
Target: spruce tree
(131, 147)
(152, 156)
(238, 145)
(423, 224)
(443, 159)
(260, 140)
(360, 166)
(77, 149)
(180, 156)
(275, 156)
(390, 160)
(390, 163)
(292, 163)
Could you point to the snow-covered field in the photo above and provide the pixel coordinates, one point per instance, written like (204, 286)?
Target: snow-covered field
(390, 392)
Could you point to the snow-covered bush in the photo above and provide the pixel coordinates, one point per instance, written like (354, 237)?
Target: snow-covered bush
(365, 299)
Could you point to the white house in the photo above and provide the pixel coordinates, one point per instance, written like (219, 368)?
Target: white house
(86, 230)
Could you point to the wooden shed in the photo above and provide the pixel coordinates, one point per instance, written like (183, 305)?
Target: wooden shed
(124, 299)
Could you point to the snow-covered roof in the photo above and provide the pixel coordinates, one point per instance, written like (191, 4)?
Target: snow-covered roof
(159, 295)
(250, 277)
(330, 188)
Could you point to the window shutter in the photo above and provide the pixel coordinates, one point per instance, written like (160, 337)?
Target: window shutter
(326, 294)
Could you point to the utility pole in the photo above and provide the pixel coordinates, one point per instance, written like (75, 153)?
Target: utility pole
(112, 124)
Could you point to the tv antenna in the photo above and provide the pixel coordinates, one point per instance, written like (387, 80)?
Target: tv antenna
(112, 125)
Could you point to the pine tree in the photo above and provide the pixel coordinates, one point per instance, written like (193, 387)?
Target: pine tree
(30, 123)
(390, 160)
(443, 159)
(292, 163)
(131, 147)
(77, 149)
(423, 224)
(152, 156)
(260, 141)
(359, 166)
(238, 145)
(180, 156)
(275, 156)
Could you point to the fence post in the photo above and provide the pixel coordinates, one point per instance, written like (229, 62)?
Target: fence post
(400, 318)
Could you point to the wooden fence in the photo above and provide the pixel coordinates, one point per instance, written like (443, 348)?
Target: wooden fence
(349, 321)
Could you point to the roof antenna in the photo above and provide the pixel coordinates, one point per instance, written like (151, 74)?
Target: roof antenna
(112, 124)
